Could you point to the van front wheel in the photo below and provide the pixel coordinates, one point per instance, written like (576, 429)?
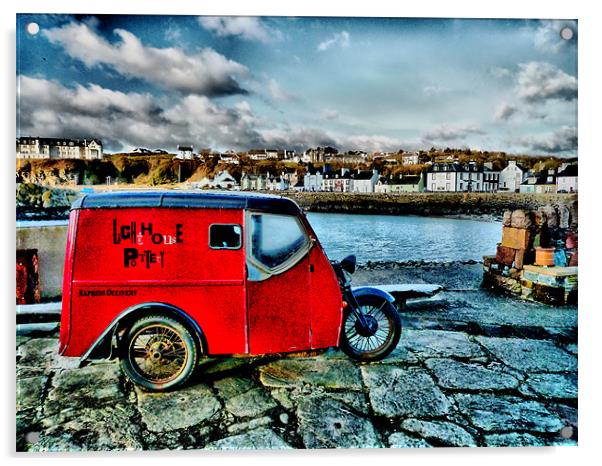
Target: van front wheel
(158, 353)
(378, 337)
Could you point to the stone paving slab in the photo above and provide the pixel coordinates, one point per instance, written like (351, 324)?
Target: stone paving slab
(334, 374)
(440, 343)
(513, 440)
(457, 375)
(29, 392)
(259, 439)
(551, 386)
(178, 409)
(93, 429)
(251, 403)
(395, 391)
(445, 433)
(496, 413)
(328, 423)
(401, 440)
(85, 387)
(530, 355)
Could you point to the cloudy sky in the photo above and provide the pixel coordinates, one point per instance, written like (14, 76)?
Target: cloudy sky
(249, 82)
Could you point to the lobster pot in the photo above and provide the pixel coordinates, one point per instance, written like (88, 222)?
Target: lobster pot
(544, 257)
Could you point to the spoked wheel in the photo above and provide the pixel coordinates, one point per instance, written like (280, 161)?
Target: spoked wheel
(158, 352)
(380, 335)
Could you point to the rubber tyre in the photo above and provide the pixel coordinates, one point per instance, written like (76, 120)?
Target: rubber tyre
(391, 338)
(130, 368)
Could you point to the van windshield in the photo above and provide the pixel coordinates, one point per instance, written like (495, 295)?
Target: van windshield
(276, 238)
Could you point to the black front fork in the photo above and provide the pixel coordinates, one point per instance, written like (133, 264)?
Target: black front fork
(349, 298)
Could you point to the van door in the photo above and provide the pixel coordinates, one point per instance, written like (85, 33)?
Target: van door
(278, 283)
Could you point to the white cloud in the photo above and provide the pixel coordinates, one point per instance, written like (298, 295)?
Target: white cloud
(371, 143)
(500, 72)
(430, 91)
(563, 140)
(341, 39)
(205, 72)
(278, 93)
(246, 27)
(125, 120)
(329, 114)
(504, 111)
(173, 34)
(540, 81)
(451, 133)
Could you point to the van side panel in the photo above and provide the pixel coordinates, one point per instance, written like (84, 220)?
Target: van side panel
(279, 311)
(67, 278)
(129, 256)
(326, 301)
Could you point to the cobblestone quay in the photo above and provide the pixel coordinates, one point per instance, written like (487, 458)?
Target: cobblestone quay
(472, 369)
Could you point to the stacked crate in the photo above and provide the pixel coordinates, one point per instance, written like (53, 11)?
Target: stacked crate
(551, 285)
(512, 269)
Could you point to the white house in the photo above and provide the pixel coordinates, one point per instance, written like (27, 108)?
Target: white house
(409, 158)
(566, 180)
(337, 181)
(252, 182)
(223, 180)
(229, 157)
(539, 182)
(312, 180)
(57, 148)
(277, 183)
(185, 152)
(511, 177)
(458, 177)
(364, 181)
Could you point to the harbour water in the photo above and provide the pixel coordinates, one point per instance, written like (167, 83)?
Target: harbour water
(405, 238)
(390, 237)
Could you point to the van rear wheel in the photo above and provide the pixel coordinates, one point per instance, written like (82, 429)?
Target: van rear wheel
(158, 353)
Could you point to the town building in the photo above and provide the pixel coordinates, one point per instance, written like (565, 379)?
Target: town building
(400, 184)
(321, 154)
(252, 182)
(185, 152)
(223, 180)
(364, 181)
(337, 181)
(409, 158)
(58, 148)
(539, 182)
(277, 183)
(229, 157)
(566, 180)
(511, 177)
(313, 179)
(270, 154)
(461, 177)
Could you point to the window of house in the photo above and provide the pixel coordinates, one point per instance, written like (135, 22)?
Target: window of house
(277, 239)
(225, 236)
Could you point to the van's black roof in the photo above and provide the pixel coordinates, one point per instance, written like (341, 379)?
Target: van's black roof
(187, 199)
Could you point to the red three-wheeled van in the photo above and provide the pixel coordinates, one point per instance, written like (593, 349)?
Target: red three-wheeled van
(163, 278)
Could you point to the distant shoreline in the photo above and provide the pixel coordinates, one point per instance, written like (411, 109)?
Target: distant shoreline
(475, 206)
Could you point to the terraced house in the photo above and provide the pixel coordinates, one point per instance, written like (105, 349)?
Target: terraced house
(58, 148)
(461, 177)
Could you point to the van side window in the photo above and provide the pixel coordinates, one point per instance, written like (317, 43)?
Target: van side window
(225, 236)
(276, 238)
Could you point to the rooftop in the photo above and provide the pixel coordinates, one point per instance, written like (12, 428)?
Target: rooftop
(188, 199)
